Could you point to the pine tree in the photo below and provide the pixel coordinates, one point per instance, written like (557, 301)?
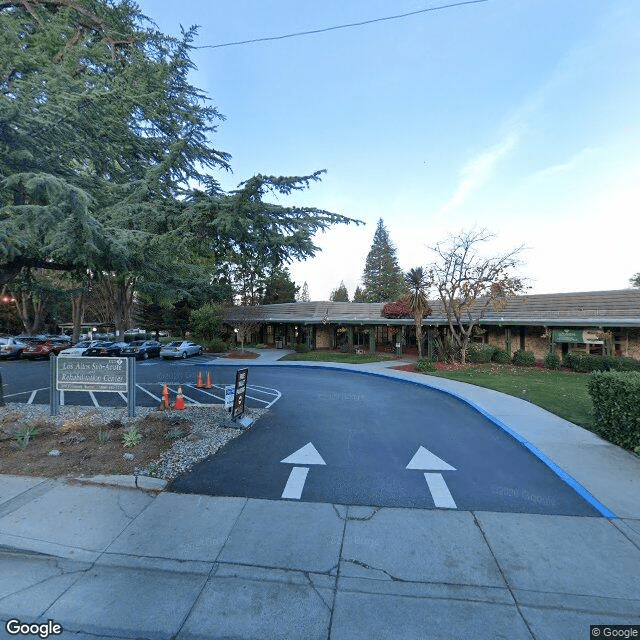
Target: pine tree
(279, 287)
(340, 294)
(358, 295)
(383, 279)
(303, 296)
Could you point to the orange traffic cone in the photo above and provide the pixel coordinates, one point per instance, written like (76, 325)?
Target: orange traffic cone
(208, 384)
(199, 383)
(179, 399)
(165, 397)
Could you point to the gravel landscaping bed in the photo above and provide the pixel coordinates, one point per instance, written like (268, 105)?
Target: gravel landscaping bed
(85, 441)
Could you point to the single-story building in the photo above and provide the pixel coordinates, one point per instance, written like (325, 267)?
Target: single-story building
(594, 322)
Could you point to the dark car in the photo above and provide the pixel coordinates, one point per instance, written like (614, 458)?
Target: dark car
(106, 349)
(44, 348)
(142, 349)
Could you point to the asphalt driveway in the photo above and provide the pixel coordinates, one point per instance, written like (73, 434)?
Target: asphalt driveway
(347, 438)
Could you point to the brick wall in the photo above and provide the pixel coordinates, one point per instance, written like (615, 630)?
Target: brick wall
(497, 337)
(534, 341)
(323, 338)
(631, 346)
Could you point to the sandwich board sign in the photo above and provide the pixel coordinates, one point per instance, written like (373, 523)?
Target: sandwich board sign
(240, 393)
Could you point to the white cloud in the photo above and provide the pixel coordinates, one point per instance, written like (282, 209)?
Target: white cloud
(574, 161)
(478, 171)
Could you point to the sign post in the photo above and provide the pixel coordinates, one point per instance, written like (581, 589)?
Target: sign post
(239, 393)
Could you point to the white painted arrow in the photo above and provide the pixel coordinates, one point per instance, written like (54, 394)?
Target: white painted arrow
(298, 476)
(427, 461)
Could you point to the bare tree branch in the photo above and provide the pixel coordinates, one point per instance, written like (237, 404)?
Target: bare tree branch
(469, 284)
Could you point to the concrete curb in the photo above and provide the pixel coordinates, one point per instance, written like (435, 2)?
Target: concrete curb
(145, 483)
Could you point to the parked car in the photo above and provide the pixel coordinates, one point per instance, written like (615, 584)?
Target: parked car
(142, 349)
(44, 348)
(11, 347)
(106, 349)
(182, 349)
(78, 349)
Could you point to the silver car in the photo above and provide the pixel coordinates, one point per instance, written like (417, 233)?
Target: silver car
(78, 349)
(11, 347)
(179, 349)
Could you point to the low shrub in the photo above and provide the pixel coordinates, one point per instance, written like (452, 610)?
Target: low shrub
(616, 410)
(587, 362)
(523, 358)
(501, 356)
(301, 348)
(624, 364)
(552, 361)
(215, 345)
(425, 365)
(481, 354)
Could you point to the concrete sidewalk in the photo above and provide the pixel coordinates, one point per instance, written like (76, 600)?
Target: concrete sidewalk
(125, 563)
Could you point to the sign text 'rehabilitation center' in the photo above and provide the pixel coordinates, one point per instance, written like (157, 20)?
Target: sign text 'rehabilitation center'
(92, 374)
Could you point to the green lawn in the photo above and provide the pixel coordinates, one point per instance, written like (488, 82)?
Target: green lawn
(559, 392)
(330, 356)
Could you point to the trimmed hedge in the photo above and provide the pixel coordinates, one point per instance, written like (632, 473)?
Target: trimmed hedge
(616, 409)
(425, 365)
(480, 354)
(501, 356)
(586, 363)
(524, 358)
(552, 361)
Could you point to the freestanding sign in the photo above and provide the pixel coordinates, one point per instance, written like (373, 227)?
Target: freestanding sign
(240, 393)
(93, 374)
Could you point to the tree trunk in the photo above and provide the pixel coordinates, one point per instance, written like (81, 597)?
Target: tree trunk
(77, 315)
(30, 311)
(419, 336)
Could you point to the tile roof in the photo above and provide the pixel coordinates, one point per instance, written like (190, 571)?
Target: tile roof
(612, 308)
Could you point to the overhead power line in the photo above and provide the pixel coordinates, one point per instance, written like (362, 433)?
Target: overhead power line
(340, 26)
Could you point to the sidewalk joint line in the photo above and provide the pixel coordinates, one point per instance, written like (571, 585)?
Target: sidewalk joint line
(502, 574)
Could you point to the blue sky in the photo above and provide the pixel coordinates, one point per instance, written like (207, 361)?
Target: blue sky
(520, 116)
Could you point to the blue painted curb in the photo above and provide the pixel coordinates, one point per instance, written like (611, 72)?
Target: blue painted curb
(563, 475)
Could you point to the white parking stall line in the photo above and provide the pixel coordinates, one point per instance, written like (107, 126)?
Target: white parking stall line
(277, 397)
(272, 392)
(31, 397)
(266, 389)
(186, 397)
(94, 399)
(148, 393)
(195, 360)
(207, 393)
(265, 402)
